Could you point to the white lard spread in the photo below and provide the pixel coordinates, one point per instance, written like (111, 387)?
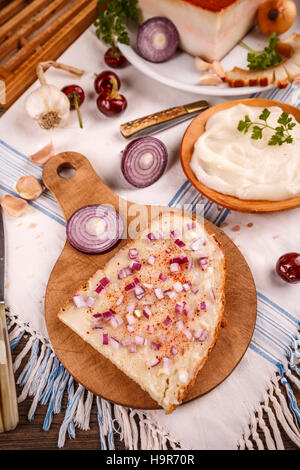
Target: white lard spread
(232, 163)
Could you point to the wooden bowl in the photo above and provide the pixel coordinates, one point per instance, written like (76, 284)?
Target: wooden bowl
(197, 128)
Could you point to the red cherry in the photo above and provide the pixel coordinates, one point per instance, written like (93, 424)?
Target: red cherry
(76, 96)
(104, 82)
(111, 106)
(114, 58)
(288, 267)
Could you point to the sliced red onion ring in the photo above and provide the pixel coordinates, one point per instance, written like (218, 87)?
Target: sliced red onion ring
(94, 229)
(157, 39)
(144, 161)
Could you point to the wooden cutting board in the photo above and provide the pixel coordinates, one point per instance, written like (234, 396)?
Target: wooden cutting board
(73, 268)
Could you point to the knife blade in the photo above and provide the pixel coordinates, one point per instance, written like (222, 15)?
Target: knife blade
(162, 120)
(8, 397)
(2, 259)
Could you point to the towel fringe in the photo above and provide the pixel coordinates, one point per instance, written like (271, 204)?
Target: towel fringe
(46, 380)
(279, 409)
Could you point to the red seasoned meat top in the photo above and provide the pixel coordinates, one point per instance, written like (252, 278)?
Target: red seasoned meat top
(212, 5)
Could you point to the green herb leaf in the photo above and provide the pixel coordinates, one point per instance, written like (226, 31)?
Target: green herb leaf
(281, 135)
(261, 60)
(111, 22)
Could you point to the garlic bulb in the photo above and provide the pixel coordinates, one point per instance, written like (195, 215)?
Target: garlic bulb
(48, 105)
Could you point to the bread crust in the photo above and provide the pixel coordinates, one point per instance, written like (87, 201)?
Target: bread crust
(185, 389)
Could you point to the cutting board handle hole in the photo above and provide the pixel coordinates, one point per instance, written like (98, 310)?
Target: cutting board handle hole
(66, 170)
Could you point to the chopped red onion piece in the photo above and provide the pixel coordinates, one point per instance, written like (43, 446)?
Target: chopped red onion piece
(150, 237)
(159, 235)
(162, 277)
(145, 302)
(148, 286)
(130, 286)
(179, 243)
(105, 338)
(182, 259)
(191, 226)
(120, 300)
(175, 233)
(131, 319)
(173, 351)
(97, 324)
(78, 301)
(130, 307)
(140, 340)
(159, 293)
(153, 362)
(203, 336)
(162, 339)
(97, 315)
(108, 315)
(188, 334)
(90, 301)
(150, 329)
(99, 289)
(203, 261)
(139, 292)
(151, 260)
(133, 253)
(195, 289)
(190, 264)
(186, 286)
(135, 265)
(178, 308)
(114, 323)
(174, 267)
(136, 281)
(196, 245)
(171, 294)
(167, 321)
(125, 272)
(114, 343)
(177, 286)
(168, 250)
(125, 342)
(147, 312)
(154, 346)
(202, 305)
(130, 329)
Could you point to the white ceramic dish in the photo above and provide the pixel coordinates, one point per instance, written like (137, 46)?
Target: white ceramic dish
(180, 72)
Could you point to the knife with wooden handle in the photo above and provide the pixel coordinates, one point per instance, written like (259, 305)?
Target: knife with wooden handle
(9, 416)
(162, 120)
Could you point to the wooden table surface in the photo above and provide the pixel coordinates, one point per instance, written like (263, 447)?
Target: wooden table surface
(30, 436)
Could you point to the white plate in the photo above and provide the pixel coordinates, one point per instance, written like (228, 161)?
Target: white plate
(180, 72)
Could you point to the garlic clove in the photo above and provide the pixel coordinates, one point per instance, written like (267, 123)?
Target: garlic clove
(201, 64)
(216, 67)
(29, 187)
(49, 106)
(14, 206)
(210, 79)
(43, 155)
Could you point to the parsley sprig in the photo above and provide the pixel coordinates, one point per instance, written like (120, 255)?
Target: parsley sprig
(111, 22)
(281, 135)
(261, 60)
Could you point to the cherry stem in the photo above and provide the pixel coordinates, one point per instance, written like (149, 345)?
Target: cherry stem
(115, 88)
(74, 99)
